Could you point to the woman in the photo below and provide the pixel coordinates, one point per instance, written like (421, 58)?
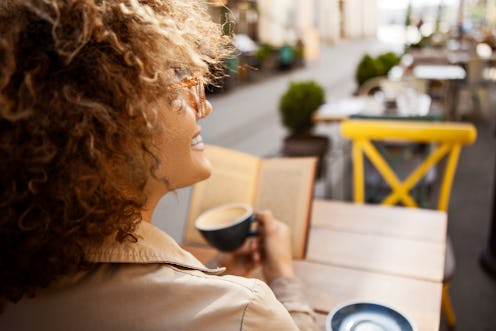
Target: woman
(99, 107)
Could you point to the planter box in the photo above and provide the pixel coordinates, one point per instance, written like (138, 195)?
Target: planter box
(308, 145)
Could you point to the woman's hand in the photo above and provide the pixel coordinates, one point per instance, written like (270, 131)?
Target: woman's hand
(242, 261)
(271, 248)
(276, 247)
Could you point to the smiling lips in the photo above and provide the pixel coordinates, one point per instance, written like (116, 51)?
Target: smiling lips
(197, 143)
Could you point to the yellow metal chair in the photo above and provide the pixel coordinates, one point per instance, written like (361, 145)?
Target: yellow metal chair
(447, 140)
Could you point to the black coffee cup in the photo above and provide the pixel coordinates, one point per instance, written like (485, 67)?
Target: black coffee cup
(228, 226)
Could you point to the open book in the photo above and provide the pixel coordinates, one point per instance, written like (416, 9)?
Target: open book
(282, 185)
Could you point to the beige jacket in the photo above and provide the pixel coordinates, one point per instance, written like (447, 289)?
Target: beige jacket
(155, 285)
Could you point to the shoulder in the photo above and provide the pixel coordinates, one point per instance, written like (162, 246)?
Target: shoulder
(175, 299)
(265, 312)
(260, 310)
(247, 301)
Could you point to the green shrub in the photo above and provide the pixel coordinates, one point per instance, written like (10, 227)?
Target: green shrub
(264, 51)
(388, 60)
(298, 103)
(370, 67)
(367, 68)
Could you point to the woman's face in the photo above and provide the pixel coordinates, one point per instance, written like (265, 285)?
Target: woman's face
(180, 147)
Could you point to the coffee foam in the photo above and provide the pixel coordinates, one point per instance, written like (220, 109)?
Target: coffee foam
(222, 217)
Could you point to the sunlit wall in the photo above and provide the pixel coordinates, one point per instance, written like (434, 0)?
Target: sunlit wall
(316, 21)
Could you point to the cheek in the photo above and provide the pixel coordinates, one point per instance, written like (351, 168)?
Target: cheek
(180, 164)
(175, 137)
(174, 149)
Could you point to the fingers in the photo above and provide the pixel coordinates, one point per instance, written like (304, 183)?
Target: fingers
(256, 254)
(275, 246)
(249, 246)
(269, 225)
(249, 252)
(264, 217)
(266, 222)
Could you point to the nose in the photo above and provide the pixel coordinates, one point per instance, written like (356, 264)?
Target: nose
(208, 109)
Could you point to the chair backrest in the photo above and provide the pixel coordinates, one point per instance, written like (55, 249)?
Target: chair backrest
(393, 87)
(407, 82)
(371, 85)
(447, 139)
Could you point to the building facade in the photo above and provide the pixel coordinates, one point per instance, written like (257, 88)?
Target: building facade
(279, 22)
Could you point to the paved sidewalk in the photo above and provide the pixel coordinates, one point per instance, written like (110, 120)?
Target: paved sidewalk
(247, 118)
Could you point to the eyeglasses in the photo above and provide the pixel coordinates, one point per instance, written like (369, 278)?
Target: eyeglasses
(199, 95)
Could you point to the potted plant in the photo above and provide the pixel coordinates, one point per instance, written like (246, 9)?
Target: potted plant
(388, 61)
(296, 107)
(368, 68)
(266, 56)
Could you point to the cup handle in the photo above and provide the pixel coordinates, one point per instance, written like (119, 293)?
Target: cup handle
(253, 227)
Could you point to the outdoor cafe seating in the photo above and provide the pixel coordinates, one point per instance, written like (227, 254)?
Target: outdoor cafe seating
(394, 254)
(372, 126)
(396, 251)
(449, 138)
(388, 255)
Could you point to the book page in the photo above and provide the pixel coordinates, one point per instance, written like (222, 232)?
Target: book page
(285, 188)
(233, 179)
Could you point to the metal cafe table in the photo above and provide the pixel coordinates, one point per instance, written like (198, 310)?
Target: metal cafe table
(338, 110)
(371, 253)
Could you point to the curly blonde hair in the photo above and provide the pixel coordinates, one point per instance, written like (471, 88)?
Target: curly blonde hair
(78, 82)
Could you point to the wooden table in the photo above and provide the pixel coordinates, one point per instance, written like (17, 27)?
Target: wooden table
(391, 255)
(388, 255)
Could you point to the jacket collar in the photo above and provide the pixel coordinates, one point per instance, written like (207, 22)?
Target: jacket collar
(153, 246)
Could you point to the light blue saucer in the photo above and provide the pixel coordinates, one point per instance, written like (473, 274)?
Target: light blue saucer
(367, 316)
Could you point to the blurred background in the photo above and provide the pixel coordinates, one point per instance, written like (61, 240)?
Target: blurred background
(340, 46)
